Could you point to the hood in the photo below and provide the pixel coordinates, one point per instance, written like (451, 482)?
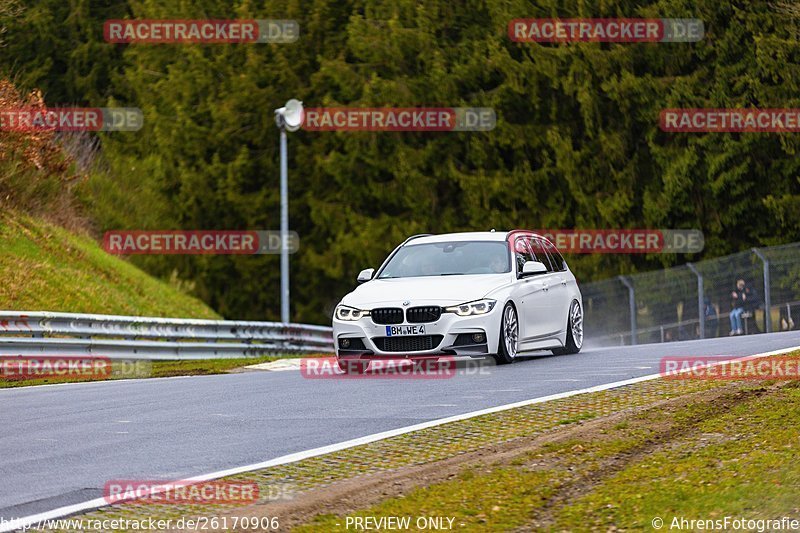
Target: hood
(434, 290)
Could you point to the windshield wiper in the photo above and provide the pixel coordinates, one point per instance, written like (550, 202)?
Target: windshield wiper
(452, 274)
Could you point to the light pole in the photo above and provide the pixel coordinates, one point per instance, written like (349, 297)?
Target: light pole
(287, 118)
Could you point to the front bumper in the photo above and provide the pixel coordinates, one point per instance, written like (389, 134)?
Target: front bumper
(451, 335)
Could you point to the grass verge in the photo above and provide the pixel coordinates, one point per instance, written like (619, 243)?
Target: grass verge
(47, 268)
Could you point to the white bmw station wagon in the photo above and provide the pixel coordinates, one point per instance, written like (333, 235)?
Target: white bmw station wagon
(504, 294)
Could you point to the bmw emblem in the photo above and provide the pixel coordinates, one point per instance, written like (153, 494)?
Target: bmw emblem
(406, 302)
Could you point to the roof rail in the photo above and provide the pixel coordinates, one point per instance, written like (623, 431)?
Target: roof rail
(513, 231)
(417, 236)
(529, 232)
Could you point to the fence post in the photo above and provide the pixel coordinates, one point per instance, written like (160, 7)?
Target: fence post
(700, 303)
(632, 305)
(767, 298)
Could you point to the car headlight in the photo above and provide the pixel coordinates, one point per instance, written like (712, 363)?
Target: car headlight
(480, 307)
(347, 313)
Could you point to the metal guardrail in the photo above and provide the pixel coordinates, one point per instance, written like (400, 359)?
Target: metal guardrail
(129, 337)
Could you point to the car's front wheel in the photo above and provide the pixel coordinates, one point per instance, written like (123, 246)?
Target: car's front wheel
(574, 330)
(509, 336)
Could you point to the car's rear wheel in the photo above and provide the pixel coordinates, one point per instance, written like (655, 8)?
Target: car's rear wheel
(353, 366)
(509, 336)
(574, 330)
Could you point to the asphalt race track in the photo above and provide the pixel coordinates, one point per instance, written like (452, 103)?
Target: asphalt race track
(60, 444)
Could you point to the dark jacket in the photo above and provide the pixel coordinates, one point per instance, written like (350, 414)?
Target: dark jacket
(753, 300)
(741, 298)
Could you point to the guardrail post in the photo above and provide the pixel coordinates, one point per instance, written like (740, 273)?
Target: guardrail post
(700, 302)
(767, 297)
(632, 305)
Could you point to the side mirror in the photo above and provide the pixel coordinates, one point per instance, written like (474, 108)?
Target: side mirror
(365, 275)
(533, 267)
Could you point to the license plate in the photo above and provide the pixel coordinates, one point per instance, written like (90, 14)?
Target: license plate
(391, 331)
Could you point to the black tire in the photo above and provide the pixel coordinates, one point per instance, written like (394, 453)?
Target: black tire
(353, 366)
(573, 345)
(504, 355)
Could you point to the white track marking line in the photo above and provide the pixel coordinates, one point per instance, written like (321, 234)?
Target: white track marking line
(20, 523)
(281, 365)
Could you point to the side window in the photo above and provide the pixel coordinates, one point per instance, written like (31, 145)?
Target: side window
(522, 253)
(556, 257)
(541, 255)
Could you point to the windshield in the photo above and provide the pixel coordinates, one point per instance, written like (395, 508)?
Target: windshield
(449, 259)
